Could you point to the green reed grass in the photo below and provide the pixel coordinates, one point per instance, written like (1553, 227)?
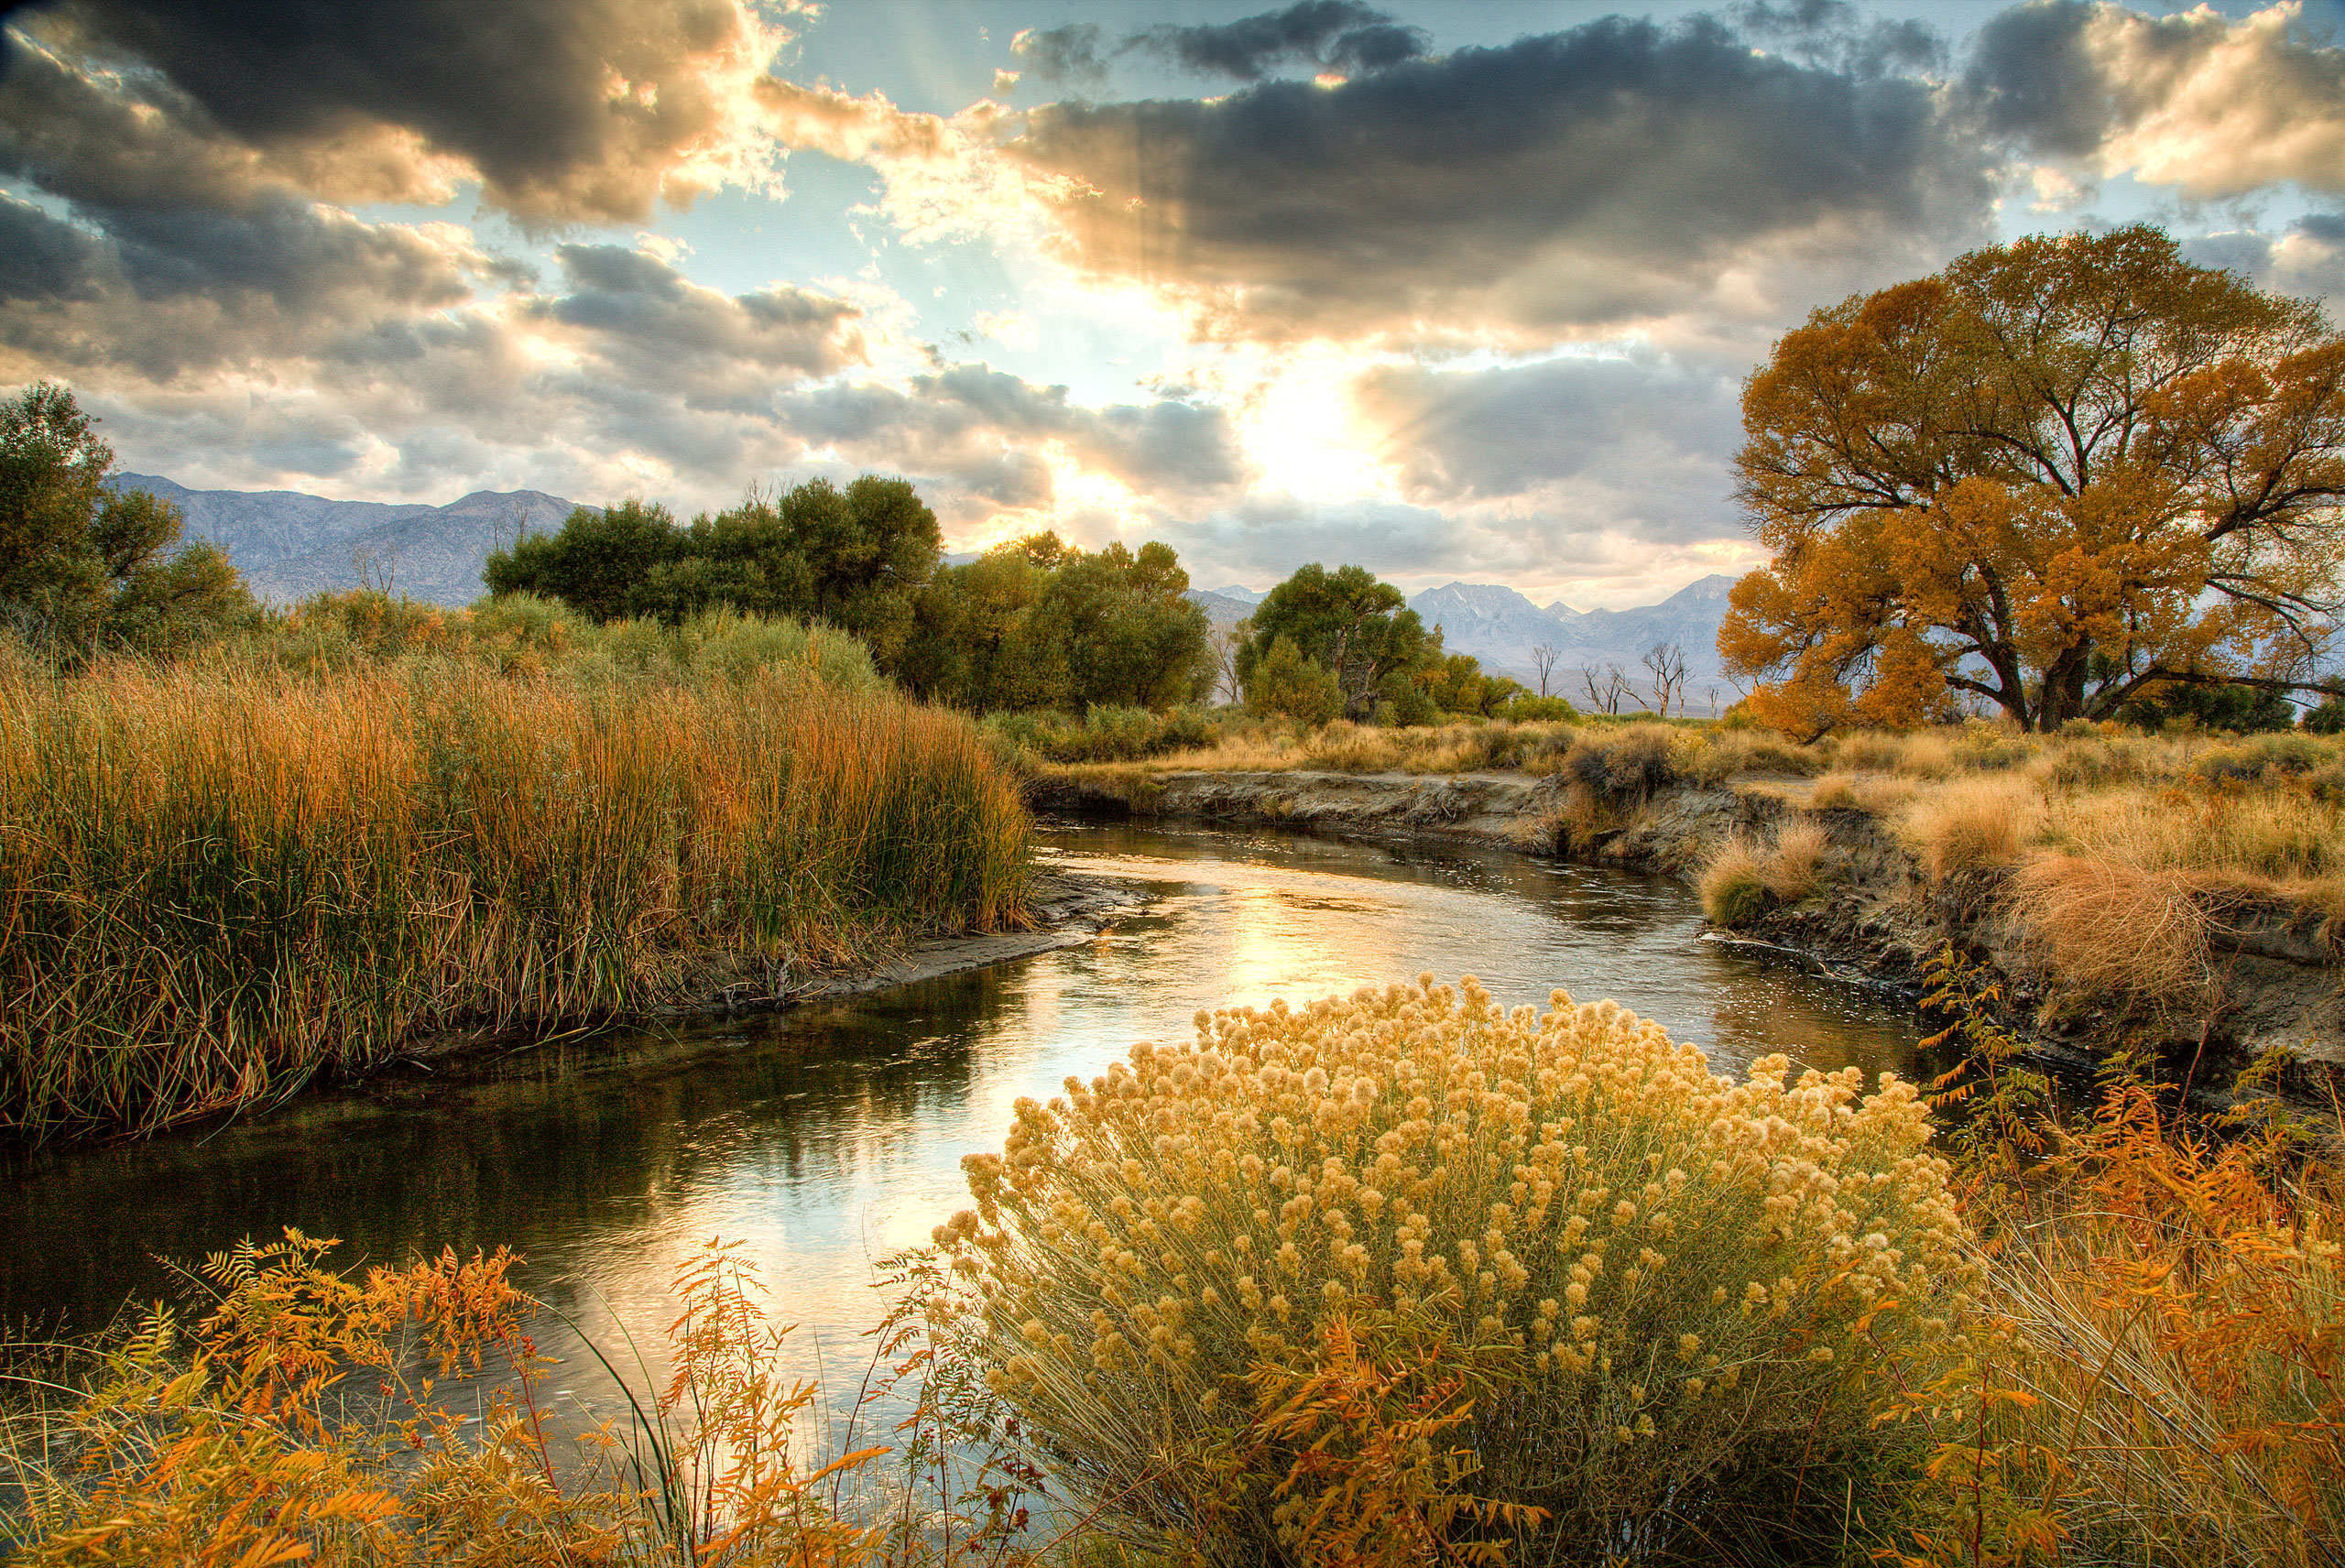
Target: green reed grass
(216, 882)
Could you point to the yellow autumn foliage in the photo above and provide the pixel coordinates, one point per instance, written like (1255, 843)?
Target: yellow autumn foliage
(1673, 1298)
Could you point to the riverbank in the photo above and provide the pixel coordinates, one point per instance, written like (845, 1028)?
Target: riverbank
(1866, 904)
(227, 879)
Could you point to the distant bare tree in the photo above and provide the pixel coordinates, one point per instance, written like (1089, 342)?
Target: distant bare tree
(1713, 696)
(1544, 659)
(1666, 660)
(376, 570)
(1606, 690)
(1223, 650)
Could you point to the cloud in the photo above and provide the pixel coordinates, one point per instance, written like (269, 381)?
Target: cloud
(2212, 107)
(1069, 53)
(565, 110)
(1533, 431)
(2307, 259)
(1556, 185)
(1343, 34)
(980, 426)
(159, 293)
(649, 327)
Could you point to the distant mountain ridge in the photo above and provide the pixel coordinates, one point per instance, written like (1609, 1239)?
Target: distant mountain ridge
(289, 545)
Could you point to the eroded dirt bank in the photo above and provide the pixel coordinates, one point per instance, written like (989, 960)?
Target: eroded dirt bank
(1877, 918)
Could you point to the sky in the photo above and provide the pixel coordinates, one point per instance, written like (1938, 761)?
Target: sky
(1452, 290)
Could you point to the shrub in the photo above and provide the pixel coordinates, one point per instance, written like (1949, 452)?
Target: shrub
(1970, 826)
(1286, 684)
(1671, 1294)
(1527, 708)
(2265, 759)
(1105, 734)
(1627, 763)
(1796, 868)
(2109, 929)
(1734, 885)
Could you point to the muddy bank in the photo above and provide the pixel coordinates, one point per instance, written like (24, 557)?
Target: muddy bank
(1876, 920)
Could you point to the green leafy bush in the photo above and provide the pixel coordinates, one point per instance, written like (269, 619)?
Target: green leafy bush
(1105, 734)
(1675, 1295)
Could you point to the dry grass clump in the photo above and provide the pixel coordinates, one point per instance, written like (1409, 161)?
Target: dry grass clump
(1733, 884)
(1742, 880)
(1669, 1297)
(2108, 929)
(1796, 869)
(223, 881)
(1970, 825)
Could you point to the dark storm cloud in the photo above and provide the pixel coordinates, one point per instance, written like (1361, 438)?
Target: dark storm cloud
(1343, 34)
(161, 292)
(566, 109)
(41, 259)
(1582, 177)
(962, 421)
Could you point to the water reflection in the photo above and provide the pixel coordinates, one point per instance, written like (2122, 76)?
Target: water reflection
(830, 1135)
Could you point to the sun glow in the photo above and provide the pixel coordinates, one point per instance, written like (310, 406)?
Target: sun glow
(1301, 429)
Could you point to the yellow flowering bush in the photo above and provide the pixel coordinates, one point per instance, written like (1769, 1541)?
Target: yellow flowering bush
(1693, 1287)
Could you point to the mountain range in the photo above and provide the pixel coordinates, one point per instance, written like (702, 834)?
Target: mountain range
(289, 545)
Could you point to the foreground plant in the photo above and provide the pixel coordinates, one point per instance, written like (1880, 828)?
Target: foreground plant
(1671, 1300)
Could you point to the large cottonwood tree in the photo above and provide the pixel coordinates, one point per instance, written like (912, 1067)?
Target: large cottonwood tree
(2059, 475)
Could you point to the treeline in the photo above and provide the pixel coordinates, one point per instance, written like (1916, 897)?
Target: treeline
(1032, 626)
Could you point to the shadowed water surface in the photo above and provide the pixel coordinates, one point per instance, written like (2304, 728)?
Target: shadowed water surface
(830, 1135)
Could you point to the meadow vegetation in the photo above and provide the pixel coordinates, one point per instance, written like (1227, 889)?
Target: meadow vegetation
(366, 821)
(1406, 1278)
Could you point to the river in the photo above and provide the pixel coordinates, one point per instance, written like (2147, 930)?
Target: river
(830, 1135)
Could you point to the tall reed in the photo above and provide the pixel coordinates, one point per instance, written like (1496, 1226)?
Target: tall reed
(216, 883)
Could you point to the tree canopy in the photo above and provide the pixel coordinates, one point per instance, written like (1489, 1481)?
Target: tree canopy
(82, 565)
(2061, 475)
(856, 559)
(1350, 623)
(1038, 623)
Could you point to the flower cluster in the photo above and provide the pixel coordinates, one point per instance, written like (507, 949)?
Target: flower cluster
(1653, 1251)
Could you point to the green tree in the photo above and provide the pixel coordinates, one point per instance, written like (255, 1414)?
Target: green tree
(856, 559)
(1036, 624)
(1285, 682)
(82, 565)
(1459, 685)
(598, 562)
(2057, 474)
(1351, 624)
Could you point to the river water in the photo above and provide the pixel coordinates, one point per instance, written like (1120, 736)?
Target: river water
(830, 1135)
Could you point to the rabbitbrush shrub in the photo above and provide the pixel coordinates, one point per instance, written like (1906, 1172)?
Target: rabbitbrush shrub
(1675, 1298)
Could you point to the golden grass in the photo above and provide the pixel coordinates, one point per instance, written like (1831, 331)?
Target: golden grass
(1796, 868)
(2166, 1376)
(1733, 884)
(2110, 929)
(1970, 824)
(220, 881)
